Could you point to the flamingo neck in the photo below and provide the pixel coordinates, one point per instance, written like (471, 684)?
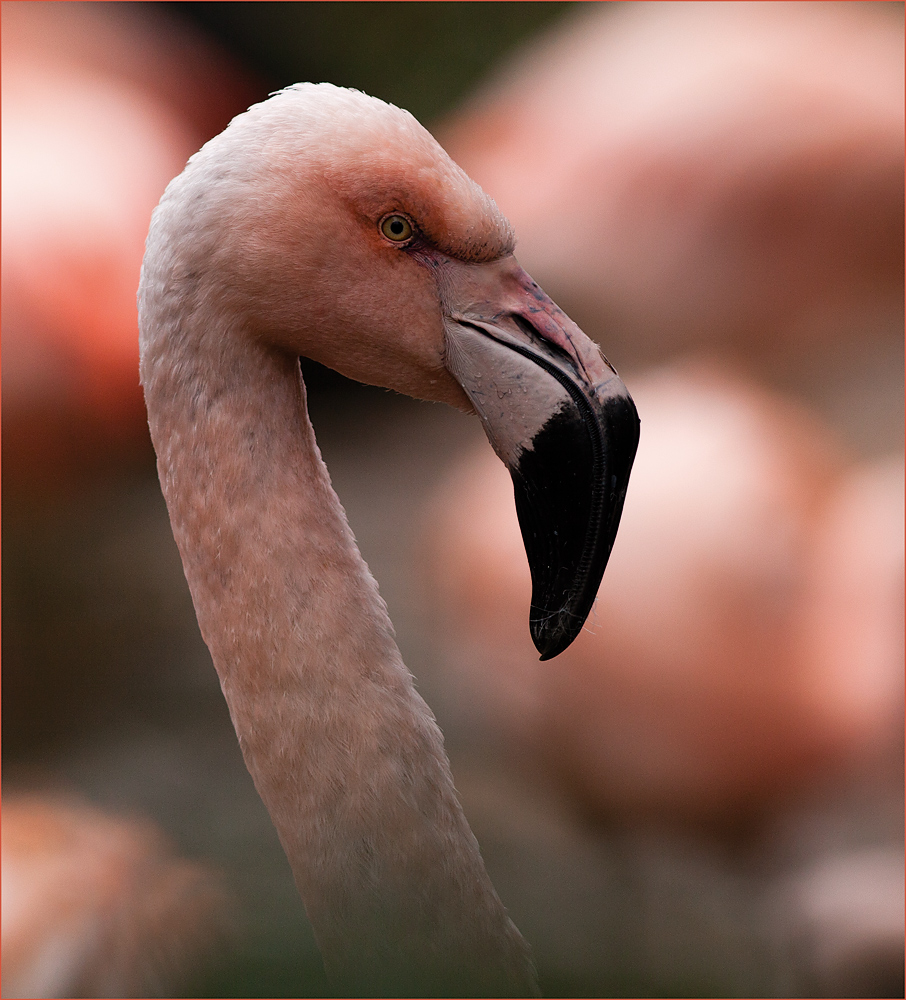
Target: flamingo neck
(346, 756)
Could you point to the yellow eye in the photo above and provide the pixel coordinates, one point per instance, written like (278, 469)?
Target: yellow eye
(396, 228)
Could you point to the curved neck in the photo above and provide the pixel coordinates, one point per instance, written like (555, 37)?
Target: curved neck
(346, 756)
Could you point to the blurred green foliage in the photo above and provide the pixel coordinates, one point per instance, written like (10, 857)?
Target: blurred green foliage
(424, 57)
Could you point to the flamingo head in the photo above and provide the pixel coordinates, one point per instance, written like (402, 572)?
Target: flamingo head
(333, 226)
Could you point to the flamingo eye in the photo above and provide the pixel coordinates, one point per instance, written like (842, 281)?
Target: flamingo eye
(396, 228)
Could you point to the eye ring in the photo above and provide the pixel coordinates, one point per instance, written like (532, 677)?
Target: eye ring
(396, 228)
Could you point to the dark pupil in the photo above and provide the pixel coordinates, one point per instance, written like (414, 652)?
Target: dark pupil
(396, 227)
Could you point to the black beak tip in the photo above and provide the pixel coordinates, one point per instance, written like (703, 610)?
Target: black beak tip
(553, 635)
(569, 489)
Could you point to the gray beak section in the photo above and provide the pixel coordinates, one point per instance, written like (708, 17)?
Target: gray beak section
(567, 429)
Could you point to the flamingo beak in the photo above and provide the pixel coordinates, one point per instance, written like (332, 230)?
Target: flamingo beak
(560, 419)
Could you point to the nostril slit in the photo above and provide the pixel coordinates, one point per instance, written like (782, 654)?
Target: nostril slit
(535, 335)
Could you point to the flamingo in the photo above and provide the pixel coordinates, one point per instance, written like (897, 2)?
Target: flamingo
(685, 703)
(98, 905)
(720, 176)
(328, 224)
(101, 107)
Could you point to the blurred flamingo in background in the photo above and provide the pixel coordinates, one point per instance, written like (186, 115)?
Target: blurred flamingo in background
(719, 175)
(850, 635)
(683, 699)
(99, 906)
(102, 104)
